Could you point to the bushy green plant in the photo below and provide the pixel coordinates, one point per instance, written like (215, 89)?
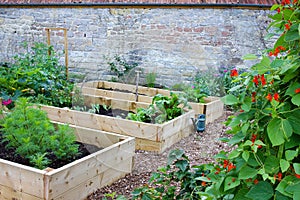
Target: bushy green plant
(162, 109)
(29, 131)
(265, 132)
(38, 74)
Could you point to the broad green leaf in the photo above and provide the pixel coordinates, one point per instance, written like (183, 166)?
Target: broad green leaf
(247, 172)
(294, 119)
(280, 196)
(262, 191)
(272, 165)
(296, 99)
(182, 164)
(277, 63)
(231, 182)
(296, 195)
(229, 99)
(291, 89)
(235, 88)
(297, 167)
(293, 187)
(279, 130)
(236, 138)
(286, 181)
(174, 155)
(249, 57)
(241, 194)
(284, 165)
(246, 155)
(246, 106)
(291, 36)
(233, 154)
(290, 154)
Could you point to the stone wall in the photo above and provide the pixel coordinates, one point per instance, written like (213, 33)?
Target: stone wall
(174, 43)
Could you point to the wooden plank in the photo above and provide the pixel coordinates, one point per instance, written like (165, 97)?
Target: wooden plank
(101, 122)
(105, 178)
(21, 178)
(114, 103)
(8, 193)
(70, 176)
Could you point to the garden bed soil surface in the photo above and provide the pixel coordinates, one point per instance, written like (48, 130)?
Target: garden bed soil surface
(199, 147)
(10, 155)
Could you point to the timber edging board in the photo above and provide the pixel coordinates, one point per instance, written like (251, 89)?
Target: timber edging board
(213, 108)
(149, 137)
(75, 180)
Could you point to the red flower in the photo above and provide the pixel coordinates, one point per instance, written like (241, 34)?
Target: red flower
(276, 97)
(7, 102)
(231, 166)
(269, 97)
(263, 80)
(255, 79)
(297, 175)
(234, 72)
(282, 48)
(297, 90)
(279, 176)
(278, 10)
(225, 164)
(255, 181)
(253, 138)
(284, 2)
(259, 146)
(253, 97)
(287, 26)
(203, 183)
(218, 170)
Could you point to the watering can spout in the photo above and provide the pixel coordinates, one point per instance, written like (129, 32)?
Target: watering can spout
(199, 123)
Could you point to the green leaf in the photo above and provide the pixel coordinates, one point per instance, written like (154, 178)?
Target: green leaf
(182, 164)
(271, 165)
(279, 130)
(284, 165)
(241, 194)
(231, 182)
(297, 167)
(293, 187)
(175, 155)
(296, 99)
(247, 172)
(294, 119)
(249, 57)
(246, 106)
(233, 154)
(261, 191)
(246, 155)
(284, 183)
(291, 36)
(291, 89)
(236, 138)
(229, 99)
(290, 154)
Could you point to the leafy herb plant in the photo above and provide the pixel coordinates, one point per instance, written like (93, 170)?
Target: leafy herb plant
(29, 131)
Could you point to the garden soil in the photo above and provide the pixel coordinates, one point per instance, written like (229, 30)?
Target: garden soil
(199, 147)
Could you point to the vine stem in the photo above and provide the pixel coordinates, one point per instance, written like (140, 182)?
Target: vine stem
(280, 151)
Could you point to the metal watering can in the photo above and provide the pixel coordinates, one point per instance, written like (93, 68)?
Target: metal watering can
(199, 123)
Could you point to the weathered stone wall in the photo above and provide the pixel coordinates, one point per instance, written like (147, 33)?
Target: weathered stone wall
(174, 43)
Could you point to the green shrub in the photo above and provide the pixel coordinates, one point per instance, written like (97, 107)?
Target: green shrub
(29, 131)
(36, 74)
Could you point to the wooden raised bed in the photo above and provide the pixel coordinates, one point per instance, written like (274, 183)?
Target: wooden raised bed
(150, 137)
(75, 180)
(213, 108)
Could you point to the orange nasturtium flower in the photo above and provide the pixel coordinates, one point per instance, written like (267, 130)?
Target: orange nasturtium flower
(231, 166)
(263, 80)
(297, 90)
(234, 72)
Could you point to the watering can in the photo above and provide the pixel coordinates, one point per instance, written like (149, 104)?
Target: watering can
(199, 123)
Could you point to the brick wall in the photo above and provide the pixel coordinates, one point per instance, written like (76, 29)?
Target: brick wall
(174, 43)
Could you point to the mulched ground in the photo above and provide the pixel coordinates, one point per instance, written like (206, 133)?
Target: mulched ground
(199, 147)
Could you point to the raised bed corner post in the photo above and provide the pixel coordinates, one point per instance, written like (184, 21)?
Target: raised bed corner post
(65, 44)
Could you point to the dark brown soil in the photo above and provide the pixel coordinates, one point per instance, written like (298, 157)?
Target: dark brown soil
(199, 147)
(11, 155)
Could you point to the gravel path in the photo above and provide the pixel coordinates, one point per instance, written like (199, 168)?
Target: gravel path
(199, 147)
